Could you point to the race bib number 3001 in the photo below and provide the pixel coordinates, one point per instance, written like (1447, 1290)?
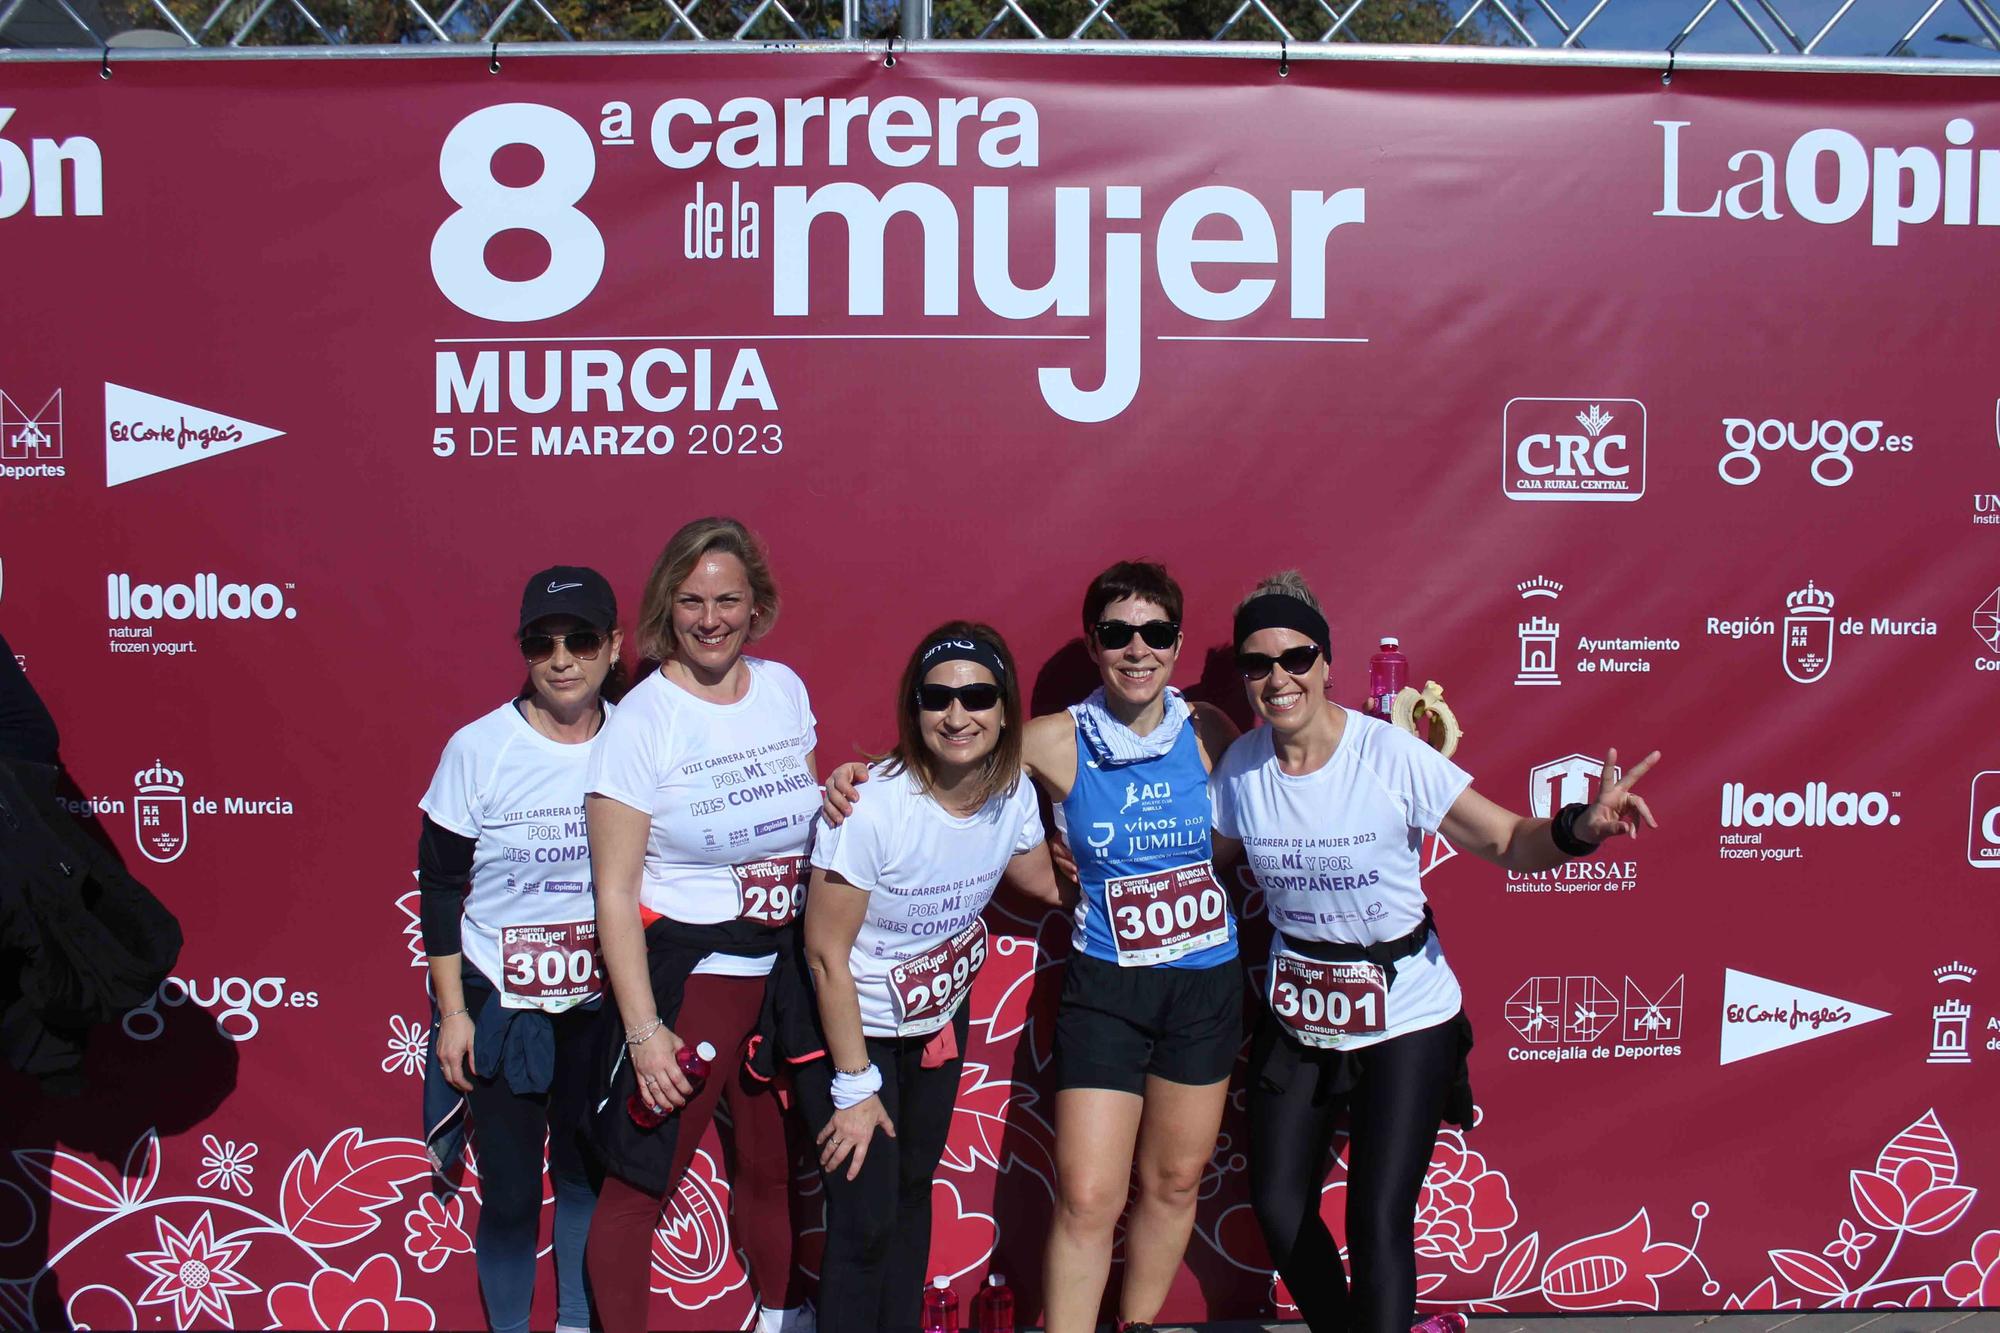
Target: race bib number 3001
(771, 892)
(1322, 1002)
(927, 989)
(549, 967)
(1167, 915)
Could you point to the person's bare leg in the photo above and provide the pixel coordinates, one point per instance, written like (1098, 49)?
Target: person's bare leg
(1176, 1140)
(1096, 1129)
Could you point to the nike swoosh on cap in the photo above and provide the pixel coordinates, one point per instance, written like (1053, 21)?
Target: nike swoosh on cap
(559, 587)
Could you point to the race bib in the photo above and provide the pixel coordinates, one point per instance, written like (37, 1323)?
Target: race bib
(1323, 1002)
(771, 892)
(1160, 917)
(926, 990)
(549, 967)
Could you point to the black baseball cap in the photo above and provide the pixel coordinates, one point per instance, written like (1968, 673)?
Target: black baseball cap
(570, 590)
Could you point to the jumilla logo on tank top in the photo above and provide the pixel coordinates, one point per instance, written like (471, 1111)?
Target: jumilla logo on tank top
(137, 610)
(162, 810)
(790, 229)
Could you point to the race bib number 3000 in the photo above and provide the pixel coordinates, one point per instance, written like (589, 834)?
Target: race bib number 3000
(1167, 915)
(927, 989)
(1322, 1002)
(771, 892)
(549, 967)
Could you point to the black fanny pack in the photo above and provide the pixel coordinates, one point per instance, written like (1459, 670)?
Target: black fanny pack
(1385, 954)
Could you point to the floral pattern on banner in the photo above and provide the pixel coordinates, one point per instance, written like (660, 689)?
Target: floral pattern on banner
(436, 1232)
(1465, 1215)
(1912, 1190)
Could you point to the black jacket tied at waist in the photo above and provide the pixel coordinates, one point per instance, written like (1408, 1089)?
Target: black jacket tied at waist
(787, 1030)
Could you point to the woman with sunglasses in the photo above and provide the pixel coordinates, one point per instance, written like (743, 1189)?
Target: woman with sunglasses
(1362, 1013)
(1151, 1012)
(504, 816)
(894, 938)
(700, 806)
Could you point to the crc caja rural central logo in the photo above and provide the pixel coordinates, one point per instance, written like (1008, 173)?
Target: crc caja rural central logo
(1574, 449)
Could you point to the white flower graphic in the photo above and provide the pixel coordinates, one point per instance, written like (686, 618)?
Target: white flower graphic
(227, 1165)
(409, 1043)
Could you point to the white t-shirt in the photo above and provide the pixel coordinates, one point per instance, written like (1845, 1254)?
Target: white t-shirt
(727, 787)
(1337, 851)
(520, 796)
(929, 874)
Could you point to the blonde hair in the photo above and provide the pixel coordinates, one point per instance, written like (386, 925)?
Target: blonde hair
(683, 552)
(1285, 583)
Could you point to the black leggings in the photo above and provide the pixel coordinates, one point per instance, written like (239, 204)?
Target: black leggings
(878, 1225)
(1393, 1113)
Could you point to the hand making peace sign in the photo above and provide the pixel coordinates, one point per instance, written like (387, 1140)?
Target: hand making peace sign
(1617, 810)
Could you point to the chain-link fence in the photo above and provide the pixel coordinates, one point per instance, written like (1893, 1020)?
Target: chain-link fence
(1965, 29)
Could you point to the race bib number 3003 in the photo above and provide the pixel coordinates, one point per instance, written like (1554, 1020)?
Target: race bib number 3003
(549, 967)
(927, 989)
(1322, 1002)
(1167, 915)
(771, 892)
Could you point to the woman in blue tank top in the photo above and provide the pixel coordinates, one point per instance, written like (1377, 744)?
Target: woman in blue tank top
(1151, 1015)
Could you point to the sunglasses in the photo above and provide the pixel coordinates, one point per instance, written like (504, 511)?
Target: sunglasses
(1115, 634)
(976, 698)
(583, 644)
(1295, 661)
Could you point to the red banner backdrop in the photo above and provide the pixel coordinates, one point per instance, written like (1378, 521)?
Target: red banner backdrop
(1646, 415)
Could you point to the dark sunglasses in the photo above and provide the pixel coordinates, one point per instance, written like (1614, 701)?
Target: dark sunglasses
(1115, 634)
(1295, 661)
(583, 644)
(976, 698)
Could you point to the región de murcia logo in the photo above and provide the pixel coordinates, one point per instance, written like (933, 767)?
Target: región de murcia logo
(1806, 643)
(163, 812)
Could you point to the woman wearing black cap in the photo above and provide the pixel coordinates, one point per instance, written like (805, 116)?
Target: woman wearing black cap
(1362, 1014)
(504, 816)
(894, 938)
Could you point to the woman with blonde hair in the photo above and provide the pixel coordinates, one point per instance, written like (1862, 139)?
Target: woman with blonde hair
(701, 798)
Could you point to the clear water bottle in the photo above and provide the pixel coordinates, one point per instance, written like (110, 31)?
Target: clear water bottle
(993, 1307)
(695, 1062)
(1388, 673)
(940, 1307)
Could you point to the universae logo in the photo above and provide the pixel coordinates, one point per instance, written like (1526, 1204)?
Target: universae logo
(1566, 449)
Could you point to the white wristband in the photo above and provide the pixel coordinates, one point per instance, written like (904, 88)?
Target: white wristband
(854, 1089)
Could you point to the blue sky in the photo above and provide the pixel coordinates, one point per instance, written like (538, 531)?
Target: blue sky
(1870, 27)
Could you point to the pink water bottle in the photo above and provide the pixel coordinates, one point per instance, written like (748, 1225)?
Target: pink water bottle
(1388, 672)
(694, 1063)
(940, 1307)
(993, 1307)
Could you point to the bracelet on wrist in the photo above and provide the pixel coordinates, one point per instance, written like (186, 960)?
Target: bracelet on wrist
(1563, 830)
(642, 1034)
(453, 1014)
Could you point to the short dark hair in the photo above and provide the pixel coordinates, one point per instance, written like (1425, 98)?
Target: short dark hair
(1002, 768)
(1131, 578)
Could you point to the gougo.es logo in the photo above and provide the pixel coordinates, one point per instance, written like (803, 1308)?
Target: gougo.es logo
(233, 1001)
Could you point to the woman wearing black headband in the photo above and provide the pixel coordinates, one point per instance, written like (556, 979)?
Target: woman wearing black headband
(894, 939)
(1362, 1014)
(1150, 1020)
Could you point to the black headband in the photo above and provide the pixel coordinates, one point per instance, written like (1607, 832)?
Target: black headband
(953, 648)
(1277, 610)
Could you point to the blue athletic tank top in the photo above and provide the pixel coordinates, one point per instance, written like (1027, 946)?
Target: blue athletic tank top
(1140, 836)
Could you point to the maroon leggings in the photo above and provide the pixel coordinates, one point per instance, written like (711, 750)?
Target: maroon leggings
(723, 1012)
